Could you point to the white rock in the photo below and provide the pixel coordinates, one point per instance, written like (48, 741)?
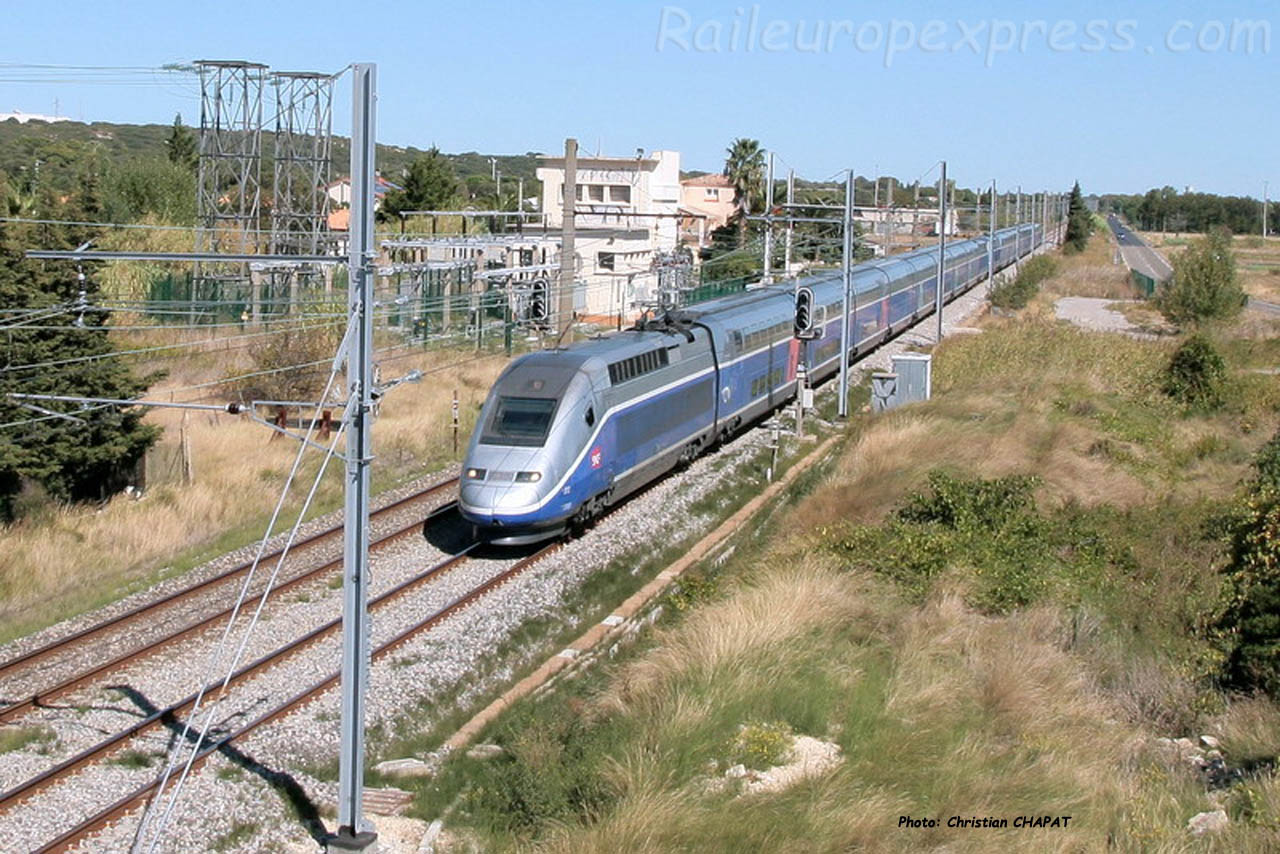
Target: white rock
(429, 839)
(1207, 822)
(736, 771)
(485, 751)
(1210, 742)
(404, 768)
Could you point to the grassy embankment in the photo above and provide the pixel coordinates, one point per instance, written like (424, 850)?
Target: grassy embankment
(983, 649)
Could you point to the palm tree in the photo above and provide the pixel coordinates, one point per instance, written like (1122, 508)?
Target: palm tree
(744, 167)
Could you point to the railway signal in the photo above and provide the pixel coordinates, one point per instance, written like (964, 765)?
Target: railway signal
(538, 301)
(804, 327)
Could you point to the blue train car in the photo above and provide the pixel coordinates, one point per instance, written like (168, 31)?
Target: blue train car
(566, 433)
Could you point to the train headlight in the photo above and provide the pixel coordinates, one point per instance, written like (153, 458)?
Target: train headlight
(475, 474)
(528, 476)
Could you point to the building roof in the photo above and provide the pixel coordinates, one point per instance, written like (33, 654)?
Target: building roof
(380, 185)
(712, 180)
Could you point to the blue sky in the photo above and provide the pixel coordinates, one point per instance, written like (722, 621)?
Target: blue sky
(1122, 96)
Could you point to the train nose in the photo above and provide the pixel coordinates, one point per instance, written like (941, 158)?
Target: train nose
(494, 496)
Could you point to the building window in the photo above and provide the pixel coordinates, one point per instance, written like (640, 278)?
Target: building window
(712, 193)
(604, 260)
(596, 192)
(620, 193)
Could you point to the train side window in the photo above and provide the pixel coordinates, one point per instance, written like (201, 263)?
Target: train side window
(591, 416)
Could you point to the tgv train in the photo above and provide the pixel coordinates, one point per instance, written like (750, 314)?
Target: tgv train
(565, 433)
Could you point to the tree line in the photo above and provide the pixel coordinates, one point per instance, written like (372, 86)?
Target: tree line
(1165, 209)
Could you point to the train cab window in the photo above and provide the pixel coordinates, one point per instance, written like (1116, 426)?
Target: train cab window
(591, 416)
(520, 421)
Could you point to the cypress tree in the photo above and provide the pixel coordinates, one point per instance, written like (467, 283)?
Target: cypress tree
(73, 460)
(182, 144)
(1079, 221)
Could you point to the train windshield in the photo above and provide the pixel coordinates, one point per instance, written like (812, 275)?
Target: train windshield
(520, 421)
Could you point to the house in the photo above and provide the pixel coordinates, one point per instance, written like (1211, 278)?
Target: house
(627, 219)
(709, 201)
(340, 191)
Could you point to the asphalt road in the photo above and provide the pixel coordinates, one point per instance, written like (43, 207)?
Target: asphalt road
(1137, 254)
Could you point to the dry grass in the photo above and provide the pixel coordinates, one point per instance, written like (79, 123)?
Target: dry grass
(68, 559)
(943, 712)
(725, 637)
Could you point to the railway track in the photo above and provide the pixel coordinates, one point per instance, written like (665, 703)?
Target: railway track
(78, 644)
(170, 716)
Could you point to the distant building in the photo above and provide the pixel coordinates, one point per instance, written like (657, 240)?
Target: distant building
(340, 191)
(22, 118)
(628, 214)
(708, 201)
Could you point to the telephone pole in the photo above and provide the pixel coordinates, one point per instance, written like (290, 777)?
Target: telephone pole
(568, 266)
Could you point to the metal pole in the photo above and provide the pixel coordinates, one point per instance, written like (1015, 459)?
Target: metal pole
(354, 834)
(991, 237)
(768, 224)
(1017, 221)
(1264, 210)
(791, 187)
(942, 248)
(846, 267)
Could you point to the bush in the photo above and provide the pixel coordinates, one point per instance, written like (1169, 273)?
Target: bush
(989, 530)
(553, 770)
(1195, 375)
(1267, 465)
(1249, 624)
(291, 361)
(965, 505)
(1204, 284)
(760, 746)
(1016, 293)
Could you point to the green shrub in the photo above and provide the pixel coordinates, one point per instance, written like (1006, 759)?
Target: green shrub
(553, 770)
(760, 746)
(1204, 285)
(970, 503)
(1017, 292)
(1249, 623)
(1267, 464)
(1196, 375)
(989, 530)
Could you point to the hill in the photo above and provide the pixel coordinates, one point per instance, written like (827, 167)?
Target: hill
(54, 154)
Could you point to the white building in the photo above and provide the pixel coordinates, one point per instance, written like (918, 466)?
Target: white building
(628, 211)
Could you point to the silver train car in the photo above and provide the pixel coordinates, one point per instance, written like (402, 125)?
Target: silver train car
(566, 433)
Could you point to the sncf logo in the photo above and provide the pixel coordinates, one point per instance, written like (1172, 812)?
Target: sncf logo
(597, 457)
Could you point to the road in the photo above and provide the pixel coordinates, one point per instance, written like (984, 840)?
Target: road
(1138, 255)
